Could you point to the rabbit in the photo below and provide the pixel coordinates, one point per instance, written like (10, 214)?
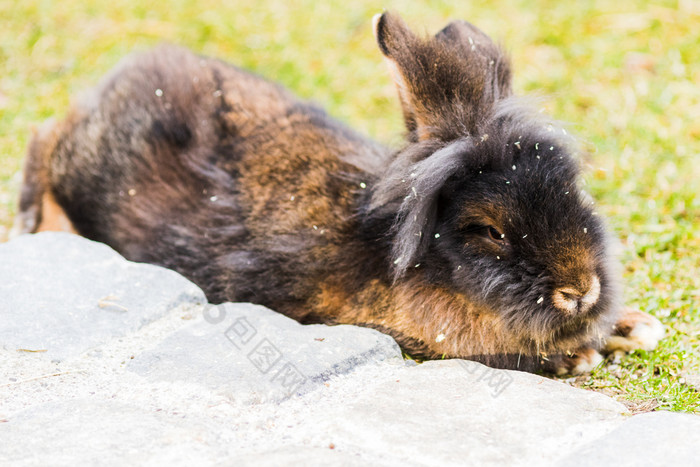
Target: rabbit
(474, 240)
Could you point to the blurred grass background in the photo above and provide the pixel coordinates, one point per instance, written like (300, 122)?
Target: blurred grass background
(625, 74)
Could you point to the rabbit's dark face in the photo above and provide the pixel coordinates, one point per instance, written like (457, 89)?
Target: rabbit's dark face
(518, 236)
(489, 202)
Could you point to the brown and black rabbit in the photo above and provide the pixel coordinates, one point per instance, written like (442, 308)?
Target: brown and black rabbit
(474, 240)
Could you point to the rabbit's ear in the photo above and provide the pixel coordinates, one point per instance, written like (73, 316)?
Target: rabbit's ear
(394, 39)
(447, 84)
(415, 221)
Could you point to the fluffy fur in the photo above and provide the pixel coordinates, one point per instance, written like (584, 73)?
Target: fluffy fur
(474, 240)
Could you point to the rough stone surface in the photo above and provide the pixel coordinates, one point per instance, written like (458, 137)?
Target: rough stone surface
(64, 295)
(252, 351)
(184, 383)
(657, 438)
(89, 432)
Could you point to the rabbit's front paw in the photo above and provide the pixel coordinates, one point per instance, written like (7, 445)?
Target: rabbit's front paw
(581, 362)
(635, 330)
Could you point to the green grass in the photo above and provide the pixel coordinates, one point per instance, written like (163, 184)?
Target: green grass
(625, 74)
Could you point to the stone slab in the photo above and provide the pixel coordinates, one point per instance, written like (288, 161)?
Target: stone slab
(656, 438)
(252, 352)
(63, 294)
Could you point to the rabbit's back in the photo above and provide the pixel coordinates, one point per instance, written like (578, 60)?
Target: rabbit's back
(194, 164)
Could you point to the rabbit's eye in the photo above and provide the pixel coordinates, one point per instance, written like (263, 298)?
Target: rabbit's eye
(487, 232)
(495, 235)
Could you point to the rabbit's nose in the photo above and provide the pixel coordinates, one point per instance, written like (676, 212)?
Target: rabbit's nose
(578, 299)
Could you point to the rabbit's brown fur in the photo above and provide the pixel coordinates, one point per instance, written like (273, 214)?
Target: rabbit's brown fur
(472, 241)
